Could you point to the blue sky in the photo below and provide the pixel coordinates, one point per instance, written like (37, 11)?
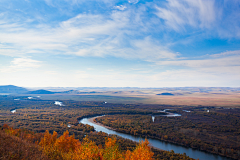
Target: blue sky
(121, 43)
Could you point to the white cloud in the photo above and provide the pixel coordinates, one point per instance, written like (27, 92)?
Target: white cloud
(186, 78)
(222, 66)
(152, 51)
(88, 26)
(209, 16)
(121, 7)
(132, 33)
(85, 35)
(144, 49)
(51, 72)
(227, 53)
(49, 2)
(179, 14)
(75, 31)
(73, 2)
(203, 63)
(168, 78)
(21, 64)
(133, 1)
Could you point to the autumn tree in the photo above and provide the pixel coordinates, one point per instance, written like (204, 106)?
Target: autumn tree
(142, 152)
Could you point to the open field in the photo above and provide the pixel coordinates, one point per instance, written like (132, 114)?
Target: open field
(223, 98)
(187, 96)
(195, 100)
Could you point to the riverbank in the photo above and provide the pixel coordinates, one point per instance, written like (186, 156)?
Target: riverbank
(93, 120)
(155, 143)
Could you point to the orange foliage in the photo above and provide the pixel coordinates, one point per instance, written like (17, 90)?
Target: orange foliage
(142, 152)
(111, 150)
(23, 134)
(66, 143)
(48, 145)
(14, 148)
(68, 148)
(87, 151)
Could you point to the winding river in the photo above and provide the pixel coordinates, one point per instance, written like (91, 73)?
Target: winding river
(193, 153)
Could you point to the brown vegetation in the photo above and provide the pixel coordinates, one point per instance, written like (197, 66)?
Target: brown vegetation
(64, 147)
(197, 129)
(213, 131)
(14, 148)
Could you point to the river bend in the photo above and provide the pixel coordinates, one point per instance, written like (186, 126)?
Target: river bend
(193, 153)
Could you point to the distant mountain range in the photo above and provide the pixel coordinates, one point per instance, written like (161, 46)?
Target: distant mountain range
(78, 92)
(41, 91)
(12, 89)
(166, 94)
(20, 90)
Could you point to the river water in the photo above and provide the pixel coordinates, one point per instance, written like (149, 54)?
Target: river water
(193, 153)
(13, 111)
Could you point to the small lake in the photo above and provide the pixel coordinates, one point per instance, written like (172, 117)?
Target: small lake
(13, 111)
(157, 143)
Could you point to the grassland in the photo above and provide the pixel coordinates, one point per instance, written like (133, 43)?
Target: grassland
(222, 97)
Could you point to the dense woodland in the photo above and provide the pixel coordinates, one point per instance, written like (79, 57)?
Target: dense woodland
(52, 146)
(217, 131)
(36, 119)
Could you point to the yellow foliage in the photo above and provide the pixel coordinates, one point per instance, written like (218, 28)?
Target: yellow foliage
(48, 145)
(68, 148)
(142, 152)
(111, 151)
(66, 143)
(88, 151)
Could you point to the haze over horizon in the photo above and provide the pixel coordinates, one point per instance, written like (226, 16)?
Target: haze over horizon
(120, 43)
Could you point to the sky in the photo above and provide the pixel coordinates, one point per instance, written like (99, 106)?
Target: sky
(120, 43)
